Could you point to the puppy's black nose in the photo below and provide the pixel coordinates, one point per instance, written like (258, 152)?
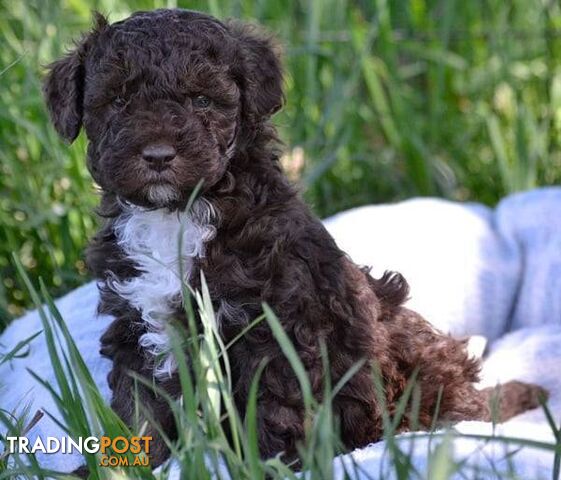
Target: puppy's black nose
(158, 156)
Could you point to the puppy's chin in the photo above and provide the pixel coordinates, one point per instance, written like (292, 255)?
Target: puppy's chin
(162, 195)
(154, 196)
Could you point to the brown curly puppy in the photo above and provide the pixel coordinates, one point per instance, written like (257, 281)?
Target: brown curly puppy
(171, 97)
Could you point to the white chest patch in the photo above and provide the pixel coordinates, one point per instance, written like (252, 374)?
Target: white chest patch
(154, 240)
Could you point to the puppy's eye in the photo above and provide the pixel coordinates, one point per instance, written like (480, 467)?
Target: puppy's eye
(119, 102)
(201, 101)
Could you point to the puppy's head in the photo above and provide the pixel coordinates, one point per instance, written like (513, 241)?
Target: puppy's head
(166, 98)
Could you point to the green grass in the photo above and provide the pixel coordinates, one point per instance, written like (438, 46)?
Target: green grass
(385, 100)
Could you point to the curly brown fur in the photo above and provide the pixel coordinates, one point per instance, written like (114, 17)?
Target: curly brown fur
(206, 90)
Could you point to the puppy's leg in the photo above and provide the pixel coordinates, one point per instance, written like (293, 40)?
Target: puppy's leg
(280, 428)
(445, 366)
(456, 375)
(137, 404)
(280, 411)
(513, 398)
(497, 404)
(120, 344)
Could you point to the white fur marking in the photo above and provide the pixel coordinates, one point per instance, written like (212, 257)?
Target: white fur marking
(152, 240)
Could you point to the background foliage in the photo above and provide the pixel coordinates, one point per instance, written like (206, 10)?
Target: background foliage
(386, 99)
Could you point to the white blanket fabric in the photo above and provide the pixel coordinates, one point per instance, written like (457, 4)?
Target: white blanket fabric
(472, 270)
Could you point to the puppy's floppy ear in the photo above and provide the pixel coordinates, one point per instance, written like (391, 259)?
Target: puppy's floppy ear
(63, 87)
(262, 69)
(64, 93)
